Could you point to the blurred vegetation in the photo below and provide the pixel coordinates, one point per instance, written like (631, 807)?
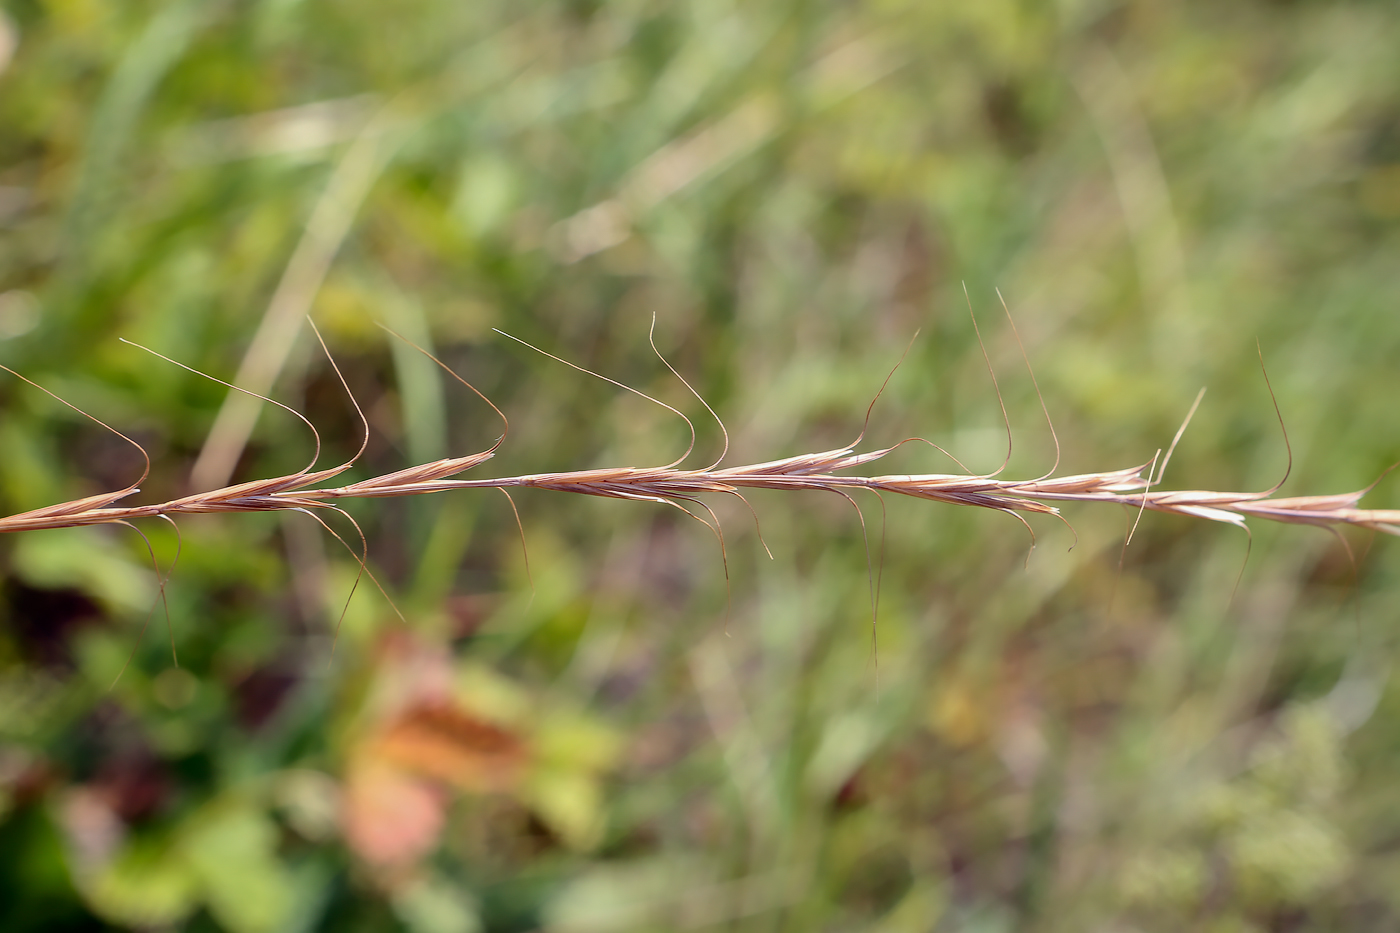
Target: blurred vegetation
(623, 738)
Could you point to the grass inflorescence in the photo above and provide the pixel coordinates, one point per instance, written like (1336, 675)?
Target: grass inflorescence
(1132, 487)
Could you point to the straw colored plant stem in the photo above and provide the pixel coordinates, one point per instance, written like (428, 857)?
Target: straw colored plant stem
(820, 471)
(826, 471)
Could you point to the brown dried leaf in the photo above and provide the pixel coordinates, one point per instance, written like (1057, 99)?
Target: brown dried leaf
(442, 741)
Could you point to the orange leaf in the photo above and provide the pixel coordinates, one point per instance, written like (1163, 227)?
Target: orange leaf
(442, 741)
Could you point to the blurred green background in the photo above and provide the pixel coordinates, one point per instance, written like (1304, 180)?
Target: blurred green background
(619, 739)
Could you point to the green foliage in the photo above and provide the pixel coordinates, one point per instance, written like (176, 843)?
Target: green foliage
(650, 740)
